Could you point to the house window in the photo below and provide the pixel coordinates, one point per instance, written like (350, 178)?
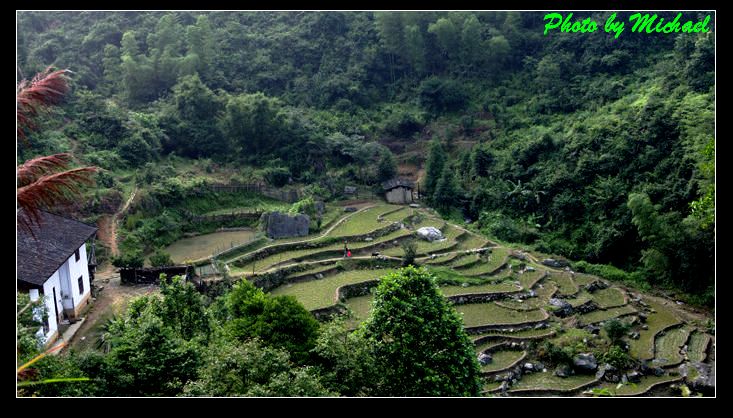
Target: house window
(76, 255)
(81, 285)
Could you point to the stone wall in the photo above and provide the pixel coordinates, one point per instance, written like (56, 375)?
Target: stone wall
(354, 290)
(480, 329)
(484, 297)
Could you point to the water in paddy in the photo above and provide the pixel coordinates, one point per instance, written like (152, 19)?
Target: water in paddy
(204, 245)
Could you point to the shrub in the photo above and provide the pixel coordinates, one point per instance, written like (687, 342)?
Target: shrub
(410, 248)
(277, 176)
(616, 329)
(617, 357)
(160, 258)
(132, 259)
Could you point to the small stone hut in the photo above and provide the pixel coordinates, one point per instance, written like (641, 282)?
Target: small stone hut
(398, 191)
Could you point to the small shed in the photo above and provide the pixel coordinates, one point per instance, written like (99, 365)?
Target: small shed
(398, 191)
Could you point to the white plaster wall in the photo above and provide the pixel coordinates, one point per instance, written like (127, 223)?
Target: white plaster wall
(76, 269)
(48, 286)
(65, 282)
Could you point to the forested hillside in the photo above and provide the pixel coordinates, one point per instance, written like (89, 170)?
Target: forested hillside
(594, 148)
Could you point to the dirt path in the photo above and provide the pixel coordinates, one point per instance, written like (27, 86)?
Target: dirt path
(108, 226)
(111, 297)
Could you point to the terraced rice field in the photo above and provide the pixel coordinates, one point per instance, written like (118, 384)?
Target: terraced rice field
(636, 389)
(604, 315)
(456, 266)
(582, 279)
(565, 283)
(697, 346)
(609, 297)
(549, 382)
(360, 307)
(322, 293)
(497, 257)
(668, 345)
(476, 314)
(313, 270)
(203, 246)
(542, 299)
(363, 222)
(483, 288)
(503, 359)
(441, 259)
(579, 299)
(491, 385)
(518, 335)
(425, 247)
(529, 278)
(471, 241)
(466, 260)
(643, 348)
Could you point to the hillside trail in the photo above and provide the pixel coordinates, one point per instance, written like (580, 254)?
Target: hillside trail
(108, 226)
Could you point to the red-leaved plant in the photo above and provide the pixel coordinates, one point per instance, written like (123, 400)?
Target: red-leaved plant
(44, 182)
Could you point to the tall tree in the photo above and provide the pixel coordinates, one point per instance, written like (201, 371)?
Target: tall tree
(415, 48)
(200, 41)
(392, 35)
(387, 166)
(434, 167)
(418, 339)
(471, 43)
(447, 194)
(191, 119)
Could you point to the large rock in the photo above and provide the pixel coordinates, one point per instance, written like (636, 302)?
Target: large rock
(705, 380)
(281, 225)
(606, 368)
(563, 370)
(596, 285)
(551, 262)
(319, 206)
(593, 329)
(561, 307)
(430, 233)
(633, 377)
(484, 359)
(585, 362)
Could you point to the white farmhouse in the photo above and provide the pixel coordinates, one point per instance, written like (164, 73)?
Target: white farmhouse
(53, 264)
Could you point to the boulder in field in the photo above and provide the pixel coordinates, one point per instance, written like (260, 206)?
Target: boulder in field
(561, 308)
(484, 359)
(585, 362)
(430, 233)
(563, 370)
(281, 225)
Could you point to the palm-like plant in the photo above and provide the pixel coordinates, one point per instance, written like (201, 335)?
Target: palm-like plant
(47, 181)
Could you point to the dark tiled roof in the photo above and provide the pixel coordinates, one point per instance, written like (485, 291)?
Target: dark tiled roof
(52, 243)
(391, 184)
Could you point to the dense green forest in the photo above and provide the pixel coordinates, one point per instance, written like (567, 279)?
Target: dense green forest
(582, 145)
